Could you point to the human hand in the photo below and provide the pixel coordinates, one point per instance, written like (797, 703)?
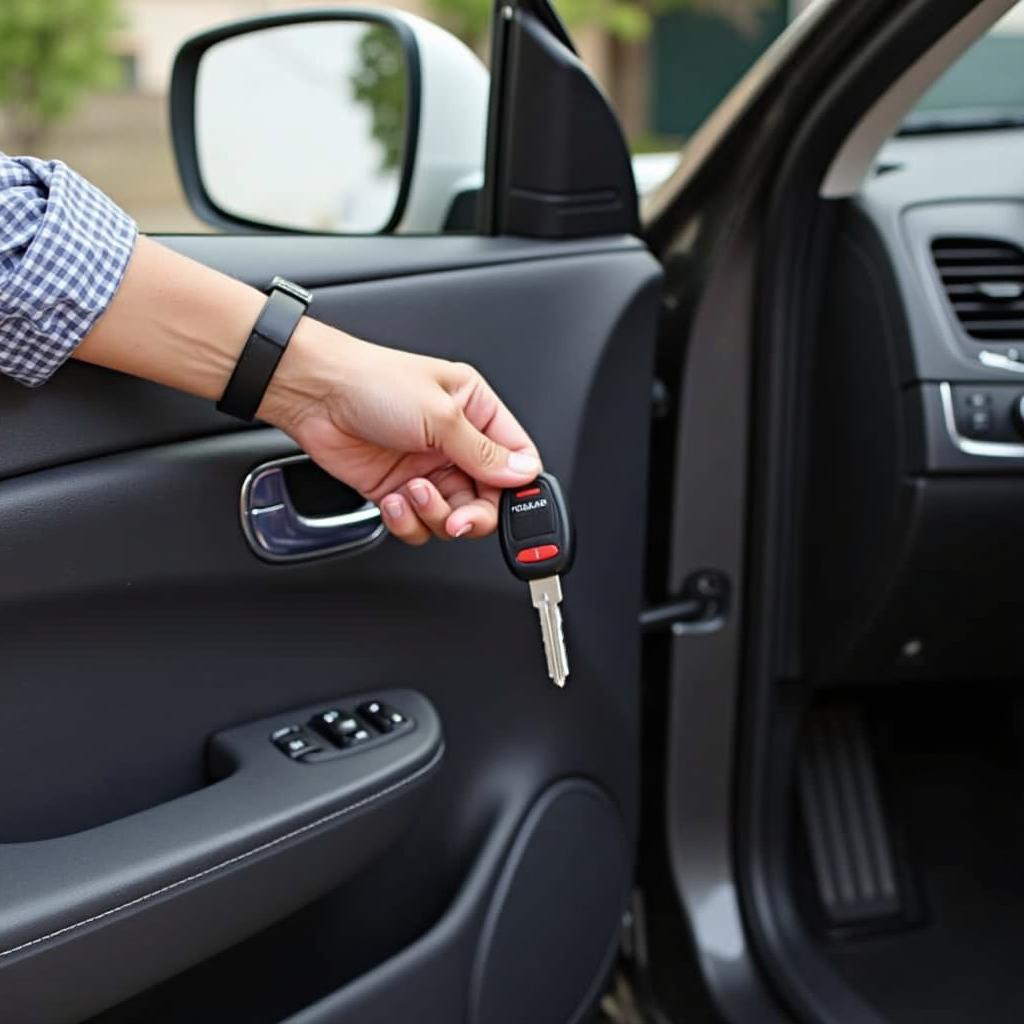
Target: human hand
(426, 439)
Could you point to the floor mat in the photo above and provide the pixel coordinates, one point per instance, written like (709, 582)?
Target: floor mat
(952, 764)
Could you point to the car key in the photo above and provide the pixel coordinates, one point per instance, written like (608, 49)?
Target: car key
(537, 542)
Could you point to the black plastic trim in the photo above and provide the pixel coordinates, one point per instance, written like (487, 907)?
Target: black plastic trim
(557, 163)
(318, 261)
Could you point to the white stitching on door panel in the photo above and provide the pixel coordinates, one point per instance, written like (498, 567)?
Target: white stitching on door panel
(270, 844)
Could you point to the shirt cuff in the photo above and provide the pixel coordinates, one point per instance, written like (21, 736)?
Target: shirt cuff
(64, 247)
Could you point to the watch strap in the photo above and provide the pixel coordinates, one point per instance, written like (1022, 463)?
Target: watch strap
(286, 304)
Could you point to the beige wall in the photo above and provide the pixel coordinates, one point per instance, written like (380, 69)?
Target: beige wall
(154, 29)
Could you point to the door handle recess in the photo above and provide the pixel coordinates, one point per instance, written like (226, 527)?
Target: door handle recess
(278, 532)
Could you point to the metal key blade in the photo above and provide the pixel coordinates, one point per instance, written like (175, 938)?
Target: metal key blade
(546, 595)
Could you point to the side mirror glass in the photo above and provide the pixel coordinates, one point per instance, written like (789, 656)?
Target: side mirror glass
(307, 126)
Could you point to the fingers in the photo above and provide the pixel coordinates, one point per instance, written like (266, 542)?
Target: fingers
(428, 504)
(418, 512)
(482, 458)
(477, 518)
(474, 509)
(489, 414)
(402, 522)
(448, 506)
(484, 439)
(486, 450)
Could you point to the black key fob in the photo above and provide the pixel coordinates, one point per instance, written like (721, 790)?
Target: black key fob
(535, 529)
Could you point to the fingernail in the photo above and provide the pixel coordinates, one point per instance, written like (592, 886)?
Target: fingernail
(465, 529)
(522, 462)
(393, 507)
(420, 493)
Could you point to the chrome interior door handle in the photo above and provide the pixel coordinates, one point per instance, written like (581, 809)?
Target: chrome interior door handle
(278, 532)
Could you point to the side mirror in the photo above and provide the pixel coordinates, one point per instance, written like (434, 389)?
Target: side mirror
(332, 121)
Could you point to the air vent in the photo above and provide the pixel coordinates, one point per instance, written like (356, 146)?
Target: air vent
(984, 282)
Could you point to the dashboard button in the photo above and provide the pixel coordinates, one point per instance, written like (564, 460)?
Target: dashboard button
(981, 421)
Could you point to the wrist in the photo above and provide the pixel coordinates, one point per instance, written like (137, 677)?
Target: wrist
(312, 365)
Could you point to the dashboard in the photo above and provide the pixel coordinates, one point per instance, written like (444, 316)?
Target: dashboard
(950, 211)
(912, 529)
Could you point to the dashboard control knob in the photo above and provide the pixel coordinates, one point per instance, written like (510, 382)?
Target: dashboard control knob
(1018, 413)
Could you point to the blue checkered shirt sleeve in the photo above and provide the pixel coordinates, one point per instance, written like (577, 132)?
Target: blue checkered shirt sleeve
(64, 247)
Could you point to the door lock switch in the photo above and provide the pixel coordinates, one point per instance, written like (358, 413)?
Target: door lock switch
(382, 717)
(296, 743)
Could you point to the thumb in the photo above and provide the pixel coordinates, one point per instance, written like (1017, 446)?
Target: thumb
(483, 458)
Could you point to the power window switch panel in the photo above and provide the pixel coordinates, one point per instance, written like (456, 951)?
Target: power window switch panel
(382, 717)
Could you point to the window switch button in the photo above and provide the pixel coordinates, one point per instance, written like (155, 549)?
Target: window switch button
(337, 726)
(382, 717)
(361, 735)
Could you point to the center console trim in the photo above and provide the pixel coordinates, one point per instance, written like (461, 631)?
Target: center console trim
(969, 446)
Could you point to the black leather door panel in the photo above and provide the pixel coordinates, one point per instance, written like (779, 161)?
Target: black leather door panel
(113, 906)
(135, 622)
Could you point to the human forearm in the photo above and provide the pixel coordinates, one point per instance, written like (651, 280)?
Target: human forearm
(173, 321)
(427, 438)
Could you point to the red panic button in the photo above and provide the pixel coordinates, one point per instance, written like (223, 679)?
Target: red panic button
(541, 554)
(530, 492)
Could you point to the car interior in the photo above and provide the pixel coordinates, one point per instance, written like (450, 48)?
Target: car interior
(907, 762)
(783, 780)
(879, 735)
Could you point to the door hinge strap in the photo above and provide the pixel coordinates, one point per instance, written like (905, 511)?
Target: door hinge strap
(702, 607)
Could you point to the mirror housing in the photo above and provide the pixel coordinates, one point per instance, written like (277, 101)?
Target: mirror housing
(444, 132)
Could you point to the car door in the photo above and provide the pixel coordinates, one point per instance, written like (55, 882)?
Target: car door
(177, 591)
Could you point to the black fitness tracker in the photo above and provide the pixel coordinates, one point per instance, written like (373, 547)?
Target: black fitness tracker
(286, 304)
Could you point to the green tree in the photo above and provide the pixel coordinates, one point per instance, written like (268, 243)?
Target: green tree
(381, 82)
(51, 52)
(624, 19)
